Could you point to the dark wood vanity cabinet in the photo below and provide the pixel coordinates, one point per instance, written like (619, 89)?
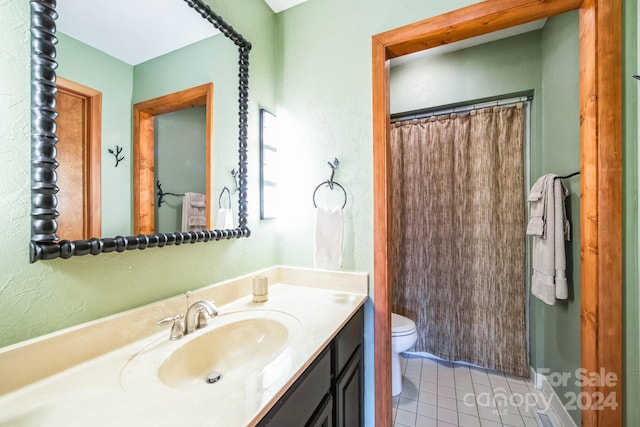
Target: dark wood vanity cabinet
(347, 383)
(330, 392)
(349, 393)
(323, 417)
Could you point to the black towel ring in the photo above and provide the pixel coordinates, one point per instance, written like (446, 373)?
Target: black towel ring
(220, 197)
(329, 184)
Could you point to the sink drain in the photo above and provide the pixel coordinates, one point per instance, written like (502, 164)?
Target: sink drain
(214, 377)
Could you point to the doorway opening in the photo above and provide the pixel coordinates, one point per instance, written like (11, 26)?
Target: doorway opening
(600, 183)
(144, 182)
(79, 130)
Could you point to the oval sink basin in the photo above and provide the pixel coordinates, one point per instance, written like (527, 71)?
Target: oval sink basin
(233, 345)
(245, 344)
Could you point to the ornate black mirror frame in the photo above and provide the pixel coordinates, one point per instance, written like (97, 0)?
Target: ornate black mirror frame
(44, 241)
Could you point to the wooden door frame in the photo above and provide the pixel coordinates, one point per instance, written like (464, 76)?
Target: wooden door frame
(144, 185)
(92, 157)
(600, 180)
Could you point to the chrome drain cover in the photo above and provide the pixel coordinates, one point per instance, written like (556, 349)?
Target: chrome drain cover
(214, 377)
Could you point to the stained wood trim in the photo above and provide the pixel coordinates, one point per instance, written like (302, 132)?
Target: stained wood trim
(589, 198)
(209, 158)
(608, 144)
(601, 174)
(92, 165)
(381, 231)
(477, 19)
(144, 186)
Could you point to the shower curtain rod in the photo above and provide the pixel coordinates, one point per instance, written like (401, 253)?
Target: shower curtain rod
(440, 111)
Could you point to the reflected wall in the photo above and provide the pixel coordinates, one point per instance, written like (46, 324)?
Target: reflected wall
(91, 67)
(210, 60)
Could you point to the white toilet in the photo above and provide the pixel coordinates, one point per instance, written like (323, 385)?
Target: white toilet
(403, 337)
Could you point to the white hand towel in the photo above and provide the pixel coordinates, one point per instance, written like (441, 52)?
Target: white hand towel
(224, 219)
(328, 238)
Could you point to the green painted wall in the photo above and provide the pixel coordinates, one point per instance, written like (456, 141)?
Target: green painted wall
(489, 70)
(90, 67)
(210, 60)
(557, 328)
(631, 297)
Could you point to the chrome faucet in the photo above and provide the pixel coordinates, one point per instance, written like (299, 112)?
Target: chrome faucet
(195, 318)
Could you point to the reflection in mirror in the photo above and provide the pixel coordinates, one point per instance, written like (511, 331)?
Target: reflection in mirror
(181, 145)
(268, 165)
(79, 127)
(133, 80)
(177, 156)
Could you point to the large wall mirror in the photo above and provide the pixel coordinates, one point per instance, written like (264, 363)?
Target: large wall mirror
(146, 119)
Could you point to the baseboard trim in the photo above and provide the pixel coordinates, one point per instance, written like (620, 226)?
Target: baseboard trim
(541, 383)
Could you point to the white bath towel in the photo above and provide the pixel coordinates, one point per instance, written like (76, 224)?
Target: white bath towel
(224, 219)
(535, 226)
(549, 227)
(194, 212)
(328, 238)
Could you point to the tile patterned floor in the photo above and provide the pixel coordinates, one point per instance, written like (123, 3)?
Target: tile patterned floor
(444, 394)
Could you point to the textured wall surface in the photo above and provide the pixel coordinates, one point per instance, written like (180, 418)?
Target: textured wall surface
(17, 285)
(556, 347)
(631, 296)
(489, 70)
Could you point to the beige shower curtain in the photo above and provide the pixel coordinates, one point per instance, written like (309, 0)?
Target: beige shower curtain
(458, 224)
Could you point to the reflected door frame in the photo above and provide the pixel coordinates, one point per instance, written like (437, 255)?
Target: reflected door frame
(600, 179)
(144, 114)
(87, 200)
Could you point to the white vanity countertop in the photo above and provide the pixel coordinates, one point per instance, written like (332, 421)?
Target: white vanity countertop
(92, 393)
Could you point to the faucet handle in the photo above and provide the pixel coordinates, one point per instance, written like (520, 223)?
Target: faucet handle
(177, 331)
(201, 319)
(202, 316)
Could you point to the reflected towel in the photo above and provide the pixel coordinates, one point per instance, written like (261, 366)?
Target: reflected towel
(224, 219)
(328, 238)
(194, 212)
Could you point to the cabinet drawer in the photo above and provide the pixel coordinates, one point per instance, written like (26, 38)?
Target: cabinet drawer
(348, 340)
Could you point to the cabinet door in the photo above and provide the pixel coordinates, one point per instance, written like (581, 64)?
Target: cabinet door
(301, 401)
(324, 415)
(349, 393)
